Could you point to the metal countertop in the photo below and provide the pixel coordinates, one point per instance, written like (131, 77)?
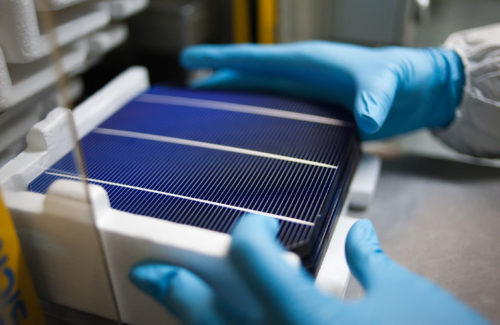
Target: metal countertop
(441, 219)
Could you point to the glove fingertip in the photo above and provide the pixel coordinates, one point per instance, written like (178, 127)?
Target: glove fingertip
(185, 57)
(200, 83)
(220, 79)
(367, 123)
(370, 112)
(152, 278)
(361, 247)
(196, 56)
(254, 236)
(374, 101)
(361, 232)
(256, 223)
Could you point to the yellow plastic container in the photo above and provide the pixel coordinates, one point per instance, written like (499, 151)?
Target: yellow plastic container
(18, 301)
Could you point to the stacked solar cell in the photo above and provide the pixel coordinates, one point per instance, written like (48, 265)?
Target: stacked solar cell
(204, 158)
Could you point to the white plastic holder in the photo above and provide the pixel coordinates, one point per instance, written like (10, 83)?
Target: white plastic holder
(63, 253)
(364, 182)
(333, 275)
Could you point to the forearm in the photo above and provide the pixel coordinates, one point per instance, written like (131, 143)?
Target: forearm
(475, 129)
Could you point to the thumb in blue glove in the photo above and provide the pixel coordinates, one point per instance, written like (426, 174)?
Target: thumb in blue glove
(287, 295)
(390, 90)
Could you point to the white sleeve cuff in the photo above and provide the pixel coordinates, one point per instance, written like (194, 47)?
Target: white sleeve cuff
(476, 127)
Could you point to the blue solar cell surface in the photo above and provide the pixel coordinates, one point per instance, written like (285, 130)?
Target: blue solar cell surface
(203, 158)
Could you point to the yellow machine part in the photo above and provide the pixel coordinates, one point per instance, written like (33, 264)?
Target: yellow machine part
(267, 13)
(266, 21)
(241, 21)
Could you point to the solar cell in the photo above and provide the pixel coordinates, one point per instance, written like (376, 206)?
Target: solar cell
(203, 158)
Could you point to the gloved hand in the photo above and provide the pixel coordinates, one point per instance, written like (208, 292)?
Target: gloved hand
(391, 90)
(287, 294)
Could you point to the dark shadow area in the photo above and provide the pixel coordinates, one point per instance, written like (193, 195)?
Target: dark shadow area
(435, 168)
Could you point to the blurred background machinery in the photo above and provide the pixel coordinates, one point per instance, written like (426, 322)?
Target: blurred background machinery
(89, 29)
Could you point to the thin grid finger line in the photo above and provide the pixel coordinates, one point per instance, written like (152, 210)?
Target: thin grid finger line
(287, 205)
(140, 175)
(284, 172)
(248, 171)
(286, 175)
(270, 173)
(251, 178)
(181, 208)
(267, 202)
(207, 183)
(309, 214)
(248, 167)
(309, 210)
(319, 191)
(299, 175)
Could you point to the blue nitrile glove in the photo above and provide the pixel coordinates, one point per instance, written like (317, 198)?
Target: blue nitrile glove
(394, 295)
(391, 90)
